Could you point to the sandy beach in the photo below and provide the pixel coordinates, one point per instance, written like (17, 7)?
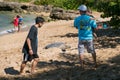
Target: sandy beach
(11, 44)
(53, 63)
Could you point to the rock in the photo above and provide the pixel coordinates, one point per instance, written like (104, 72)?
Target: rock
(64, 47)
(56, 44)
(12, 6)
(1, 0)
(23, 8)
(55, 13)
(60, 45)
(59, 13)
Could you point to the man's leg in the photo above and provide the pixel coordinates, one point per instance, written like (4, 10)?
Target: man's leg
(81, 51)
(22, 66)
(91, 49)
(81, 60)
(24, 62)
(94, 58)
(34, 63)
(18, 28)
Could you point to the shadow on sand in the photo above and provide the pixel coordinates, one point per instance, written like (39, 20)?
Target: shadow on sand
(11, 71)
(68, 35)
(71, 70)
(107, 38)
(61, 70)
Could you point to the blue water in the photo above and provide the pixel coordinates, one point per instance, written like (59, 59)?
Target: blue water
(7, 17)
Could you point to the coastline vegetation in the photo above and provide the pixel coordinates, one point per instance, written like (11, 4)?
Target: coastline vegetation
(110, 8)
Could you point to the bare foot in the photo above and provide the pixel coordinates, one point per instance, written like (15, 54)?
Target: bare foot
(82, 64)
(21, 73)
(95, 66)
(32, 72)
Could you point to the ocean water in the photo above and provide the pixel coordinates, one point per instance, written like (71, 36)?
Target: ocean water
(6, 19)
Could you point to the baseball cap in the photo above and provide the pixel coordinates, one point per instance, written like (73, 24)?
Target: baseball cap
(82, 8)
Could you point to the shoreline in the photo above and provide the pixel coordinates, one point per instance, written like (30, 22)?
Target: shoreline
(7, 16)
(11, 31)
(27, 27)
(53, 61)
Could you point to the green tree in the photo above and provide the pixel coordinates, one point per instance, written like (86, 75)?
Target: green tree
(110, 8)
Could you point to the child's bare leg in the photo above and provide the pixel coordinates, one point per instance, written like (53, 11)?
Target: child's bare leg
(22, 66)
(34, 63)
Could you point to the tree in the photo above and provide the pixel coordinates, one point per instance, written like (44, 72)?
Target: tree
(111, 9)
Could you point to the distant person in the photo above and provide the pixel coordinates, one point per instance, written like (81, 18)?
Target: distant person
(84, 24)
(31, 45)
(15, 22)
(20, 22)
(105, 25)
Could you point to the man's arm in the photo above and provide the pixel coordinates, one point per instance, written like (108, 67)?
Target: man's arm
(76, 23)
(94, 28)
(29, 46)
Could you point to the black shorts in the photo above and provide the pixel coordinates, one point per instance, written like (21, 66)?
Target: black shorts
(28, 57)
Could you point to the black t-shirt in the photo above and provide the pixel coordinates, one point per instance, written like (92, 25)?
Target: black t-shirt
(32, 35)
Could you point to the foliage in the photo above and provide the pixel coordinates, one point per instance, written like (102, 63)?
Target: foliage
(24, 0)
(66, 4)
(41, 2)
(19, 0)
(111, 8)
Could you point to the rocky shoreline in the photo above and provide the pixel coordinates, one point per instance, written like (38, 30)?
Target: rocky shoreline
(54, 12)
(23, 7)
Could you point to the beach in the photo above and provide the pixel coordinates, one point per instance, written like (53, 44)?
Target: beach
(54, 64)
(6, 19)
(11, 44)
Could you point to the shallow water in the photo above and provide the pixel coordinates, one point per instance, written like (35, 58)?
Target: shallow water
(7, 17)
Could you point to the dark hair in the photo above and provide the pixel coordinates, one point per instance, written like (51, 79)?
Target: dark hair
(83, 12)
(39, 20)
(18, 16)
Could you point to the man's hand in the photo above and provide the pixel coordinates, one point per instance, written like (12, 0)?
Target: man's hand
(31, 52)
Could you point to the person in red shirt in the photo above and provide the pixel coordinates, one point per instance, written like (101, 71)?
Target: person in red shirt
(15, 22)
